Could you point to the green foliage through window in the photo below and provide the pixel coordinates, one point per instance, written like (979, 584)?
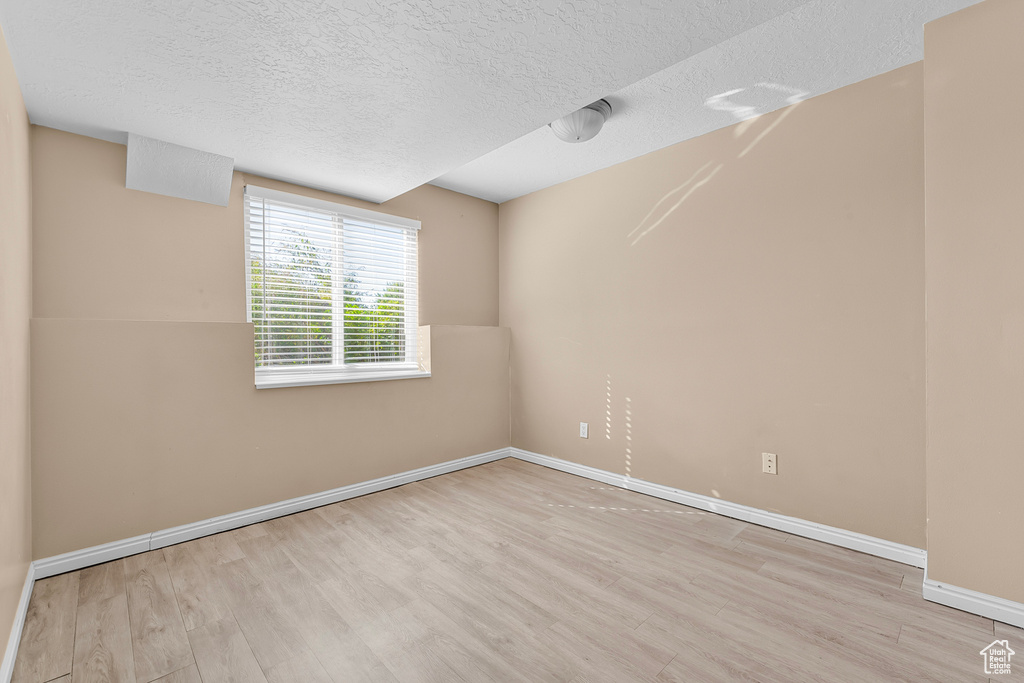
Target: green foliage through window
(296, 319)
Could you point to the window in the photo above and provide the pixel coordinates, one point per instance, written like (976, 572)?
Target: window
(331, 291)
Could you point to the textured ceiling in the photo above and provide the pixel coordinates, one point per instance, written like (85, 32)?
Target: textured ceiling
(369, 99)
(815, 48)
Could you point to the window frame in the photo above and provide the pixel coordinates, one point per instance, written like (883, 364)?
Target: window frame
(312, 375)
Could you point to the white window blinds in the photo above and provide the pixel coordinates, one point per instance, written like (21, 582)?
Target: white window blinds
(332, 290)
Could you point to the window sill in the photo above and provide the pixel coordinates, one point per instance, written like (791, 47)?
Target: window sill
(314, 379)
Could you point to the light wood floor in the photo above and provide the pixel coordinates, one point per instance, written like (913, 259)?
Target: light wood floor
(504, 572)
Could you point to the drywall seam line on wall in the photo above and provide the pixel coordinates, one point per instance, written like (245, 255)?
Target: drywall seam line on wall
(11, 653)
(878, 547)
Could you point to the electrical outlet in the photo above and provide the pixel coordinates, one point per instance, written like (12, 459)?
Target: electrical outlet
(584, 430)
(769, 463)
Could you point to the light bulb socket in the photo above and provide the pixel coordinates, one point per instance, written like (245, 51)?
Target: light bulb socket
(601, 106)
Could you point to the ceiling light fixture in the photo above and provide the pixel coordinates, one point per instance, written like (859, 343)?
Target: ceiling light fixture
(584, 124)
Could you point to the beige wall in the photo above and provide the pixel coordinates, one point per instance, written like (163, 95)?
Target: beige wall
(144, 411)
(141, 426)
(15, 311)
(760, 288)
(975, 274)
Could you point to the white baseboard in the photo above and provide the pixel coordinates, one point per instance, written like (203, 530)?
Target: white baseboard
(234, 520)
(79, 559)
(952, 596)
(897, 552)
(11, 653)
(1006, 611)
(97, 554)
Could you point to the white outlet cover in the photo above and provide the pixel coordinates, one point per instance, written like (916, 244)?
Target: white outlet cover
(584, 430)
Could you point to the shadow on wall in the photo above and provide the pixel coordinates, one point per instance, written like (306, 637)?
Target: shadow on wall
(745, 104)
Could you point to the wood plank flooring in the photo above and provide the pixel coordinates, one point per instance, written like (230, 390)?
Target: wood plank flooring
(503, 572)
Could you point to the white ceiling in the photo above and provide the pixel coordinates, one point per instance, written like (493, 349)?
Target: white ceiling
(815, 48)
(366, 98)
